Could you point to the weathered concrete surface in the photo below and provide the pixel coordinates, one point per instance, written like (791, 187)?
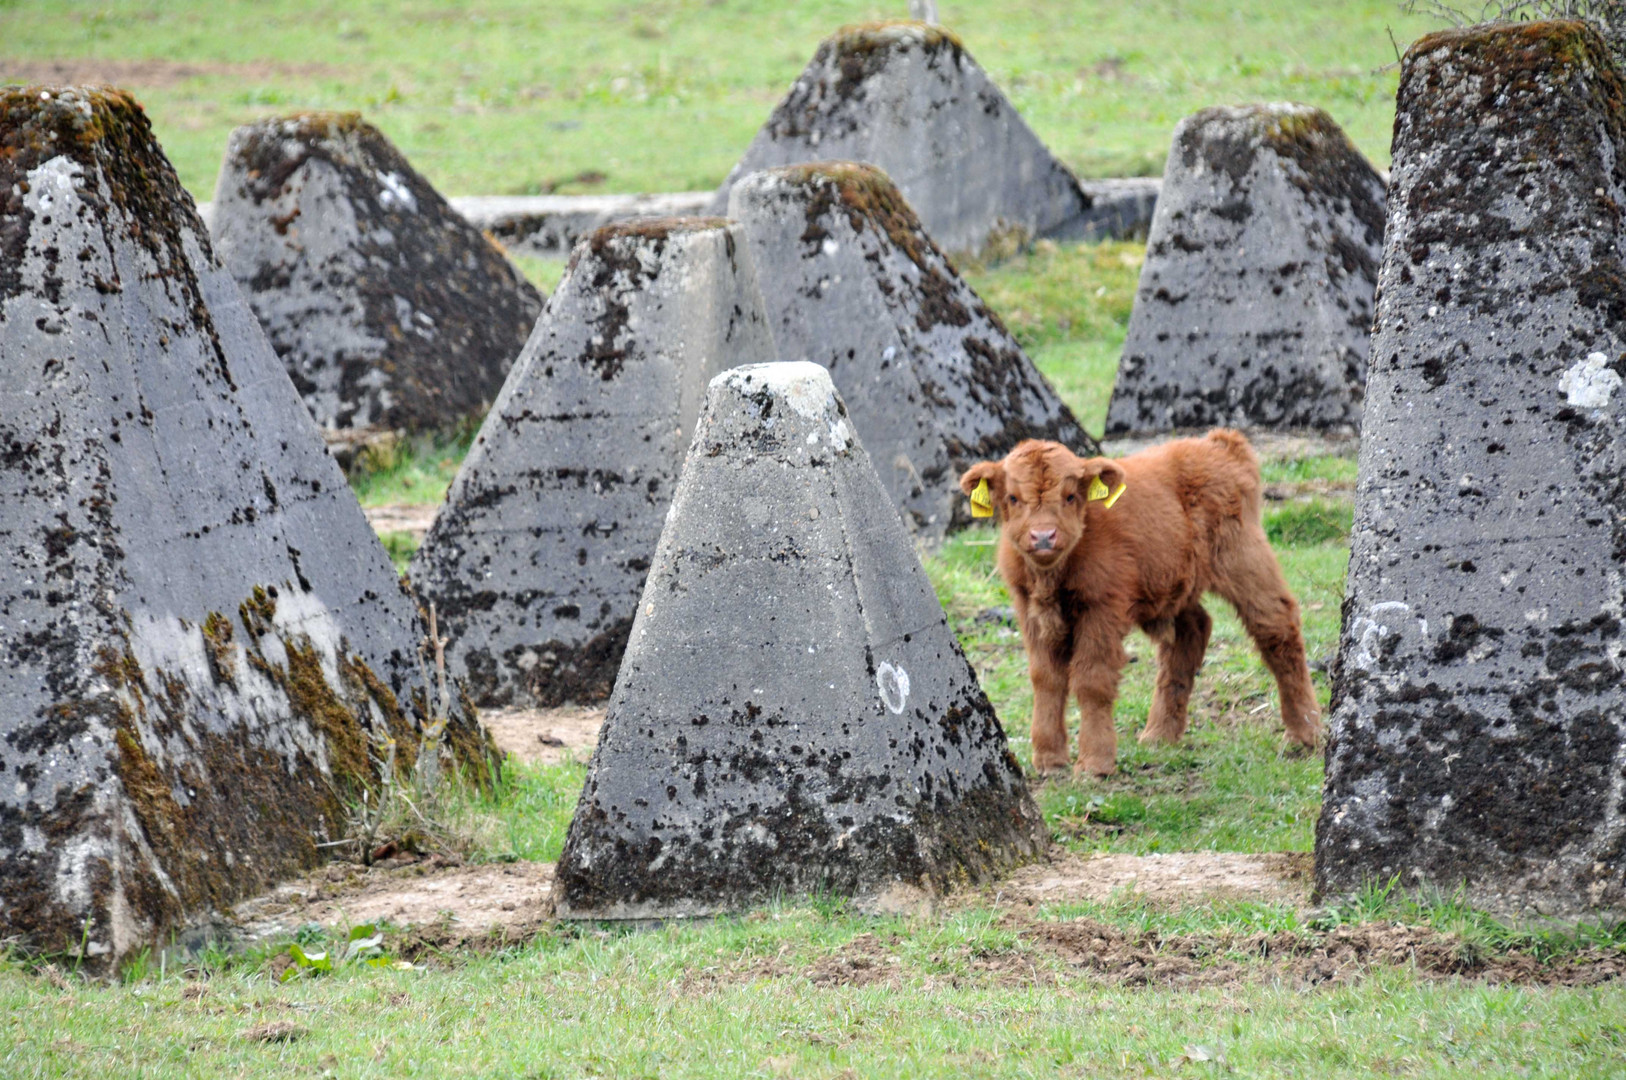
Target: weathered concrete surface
(549, 226)
(909, 99)
(199, 634)
(1480, 701)
(794, 714)
(934, 381)
(538, 557)
(389, 310)
(1256, 296)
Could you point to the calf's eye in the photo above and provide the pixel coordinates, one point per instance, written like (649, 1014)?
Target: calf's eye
(1071, 499)
(1013, 500)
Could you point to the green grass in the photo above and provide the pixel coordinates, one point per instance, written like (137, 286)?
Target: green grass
(511, 97)
(523, 815)
(1337, 470)
(400, 546)
(414, 471)
(1314, 521)
(508, 96)
(738, 997)
(543, 273)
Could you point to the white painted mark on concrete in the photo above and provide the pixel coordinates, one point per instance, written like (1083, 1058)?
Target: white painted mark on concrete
(1590, 383)
(395, 193)
(894, 684)
(1369, 629)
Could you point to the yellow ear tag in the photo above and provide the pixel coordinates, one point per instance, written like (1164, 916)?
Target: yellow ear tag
(1098, 491)
(982, 503)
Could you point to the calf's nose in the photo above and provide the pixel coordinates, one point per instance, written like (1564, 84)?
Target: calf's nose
(1043, 539)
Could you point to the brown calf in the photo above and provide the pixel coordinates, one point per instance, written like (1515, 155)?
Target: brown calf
(1082, 574)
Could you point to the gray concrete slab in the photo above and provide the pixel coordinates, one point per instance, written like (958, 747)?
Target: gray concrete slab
(539, 555)
(934, 381)
(549, 226)
(794, 715)
(1255, 300)
(387, 307)
(202, 643)
(1480, 697)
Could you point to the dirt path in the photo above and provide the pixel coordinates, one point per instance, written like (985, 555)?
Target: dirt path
(1177, 878)
(545, 735)
(502, 898)
(462, 902)
(402, 517)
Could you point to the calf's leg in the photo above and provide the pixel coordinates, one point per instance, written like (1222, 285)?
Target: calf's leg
(1049, 712)
(1098, 660)
(1179, 654)
(1253, 583)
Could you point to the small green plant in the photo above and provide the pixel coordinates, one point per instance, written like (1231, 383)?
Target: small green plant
(364, 945)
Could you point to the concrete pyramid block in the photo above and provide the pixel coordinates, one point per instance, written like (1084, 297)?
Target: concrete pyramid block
(1255, 300)
(200, 637)
(388, 308)
(934, 381)
(909, 99)
(794, 714)
(539, 555)
(1479, 707)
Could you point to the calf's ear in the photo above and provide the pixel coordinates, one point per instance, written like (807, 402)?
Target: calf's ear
(1102, 479)
(985, 483)
(991, 471)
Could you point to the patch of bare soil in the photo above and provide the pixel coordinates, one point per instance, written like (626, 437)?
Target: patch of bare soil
(863, 961)
(446, 903)
(151, 74)
(545, 735)
(445, 910)
(402, 517)
(1167, 880)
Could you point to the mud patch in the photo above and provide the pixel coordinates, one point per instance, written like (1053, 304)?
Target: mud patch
(545, 736)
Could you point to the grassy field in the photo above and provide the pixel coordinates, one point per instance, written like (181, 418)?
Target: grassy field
(508, 96)
(1381, 986)
(499, 96)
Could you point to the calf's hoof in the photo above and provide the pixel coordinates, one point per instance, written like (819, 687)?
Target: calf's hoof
(1095, 766)
(1052, 766)
(1307, 734)
(1160, 734)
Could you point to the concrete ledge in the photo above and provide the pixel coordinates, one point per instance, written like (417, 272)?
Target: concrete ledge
(548, 226)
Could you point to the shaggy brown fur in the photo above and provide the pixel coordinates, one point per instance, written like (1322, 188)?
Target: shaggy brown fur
(1081, 575)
